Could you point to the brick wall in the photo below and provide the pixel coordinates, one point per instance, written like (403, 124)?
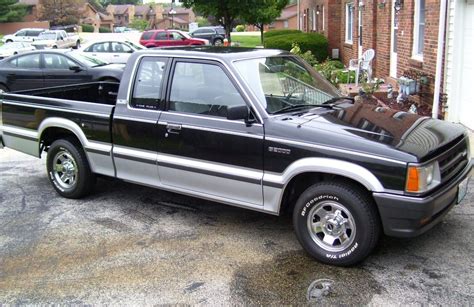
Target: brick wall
(376, 34)
(12, 27)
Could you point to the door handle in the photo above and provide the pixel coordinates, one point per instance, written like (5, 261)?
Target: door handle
(173, 129)
(116, 55)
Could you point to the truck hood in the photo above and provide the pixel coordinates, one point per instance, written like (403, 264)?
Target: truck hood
(361, 124)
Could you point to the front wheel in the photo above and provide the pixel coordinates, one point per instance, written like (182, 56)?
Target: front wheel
(68, 169)
(218, 42)
(78, 45)
(336, 223)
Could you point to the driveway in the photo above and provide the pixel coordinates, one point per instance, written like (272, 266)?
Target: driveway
(128, 244)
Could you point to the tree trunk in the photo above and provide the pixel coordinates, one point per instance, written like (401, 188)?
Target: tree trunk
(262, 27)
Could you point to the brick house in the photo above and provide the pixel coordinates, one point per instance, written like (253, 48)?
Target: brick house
(177, 17)
(403, 33)
(91, 16)
(123, 14)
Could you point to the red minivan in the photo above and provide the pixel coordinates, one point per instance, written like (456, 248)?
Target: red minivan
(159, 38)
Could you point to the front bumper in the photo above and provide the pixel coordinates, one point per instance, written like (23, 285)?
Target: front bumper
(404, 216)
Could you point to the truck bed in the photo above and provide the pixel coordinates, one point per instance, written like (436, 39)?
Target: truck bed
(25, 116)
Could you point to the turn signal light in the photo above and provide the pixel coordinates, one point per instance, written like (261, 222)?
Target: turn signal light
(413, 179)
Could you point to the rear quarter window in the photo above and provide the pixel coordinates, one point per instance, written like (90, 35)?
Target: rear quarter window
(147, 35)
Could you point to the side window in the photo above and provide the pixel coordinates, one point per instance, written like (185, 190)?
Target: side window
(27, 62)
(21, 33)
(161, 36)
(148, 81)
(175, 36)
(99, 47)
(57, 61)
(119, 47)
(202, 89)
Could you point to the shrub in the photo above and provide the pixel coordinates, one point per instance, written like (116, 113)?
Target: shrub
(240, 28)
(104, 30)
(87, 28)
(316, 43)
(273, 33)
(334, 71)
(307, 56)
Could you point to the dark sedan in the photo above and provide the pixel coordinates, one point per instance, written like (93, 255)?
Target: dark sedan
(53, 68)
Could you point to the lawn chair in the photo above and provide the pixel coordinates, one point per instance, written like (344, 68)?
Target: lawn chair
(364, 64)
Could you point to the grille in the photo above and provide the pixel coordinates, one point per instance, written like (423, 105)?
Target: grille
(453, 162)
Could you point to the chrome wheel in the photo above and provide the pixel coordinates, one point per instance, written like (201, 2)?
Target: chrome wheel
(65, 169)
(331, 226)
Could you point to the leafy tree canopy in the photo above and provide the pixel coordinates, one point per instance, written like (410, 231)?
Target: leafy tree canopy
(61, 12)
(10, 11)
(263, 12)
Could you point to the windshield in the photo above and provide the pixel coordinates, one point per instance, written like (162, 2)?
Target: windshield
(185, 34)
(87, 61)
(285, 81)
(45, 36)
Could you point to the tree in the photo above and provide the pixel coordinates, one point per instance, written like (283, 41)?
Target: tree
(263, 12)
(138, 24)
(61, 12)
(224, 11)
(10, 11)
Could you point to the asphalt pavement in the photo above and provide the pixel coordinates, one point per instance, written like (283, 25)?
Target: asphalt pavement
(128, 244)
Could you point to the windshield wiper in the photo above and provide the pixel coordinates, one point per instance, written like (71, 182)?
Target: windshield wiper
(297, 107)
(101, 64)
(336, 99)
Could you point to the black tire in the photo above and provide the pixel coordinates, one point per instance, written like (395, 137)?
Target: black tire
(15, 53)
(3, 88)
(75, 166)
(78, 45)
(338, 210)
(218, 42)
(9, 41)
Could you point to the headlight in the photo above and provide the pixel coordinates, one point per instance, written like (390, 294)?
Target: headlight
(422, 178)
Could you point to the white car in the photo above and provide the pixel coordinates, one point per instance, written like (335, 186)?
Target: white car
(111, 51)
(14, 48)
(23, 35)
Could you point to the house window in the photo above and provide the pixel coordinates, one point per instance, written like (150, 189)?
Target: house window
(349, 22)
(419, 30)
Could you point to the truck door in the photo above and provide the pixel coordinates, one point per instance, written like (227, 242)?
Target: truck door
(134, 126)
(200, 150)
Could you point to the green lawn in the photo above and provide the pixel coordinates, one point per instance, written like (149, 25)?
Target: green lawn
(246, 41)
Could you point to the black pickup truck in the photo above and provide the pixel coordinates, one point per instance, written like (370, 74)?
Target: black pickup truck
(257, 129)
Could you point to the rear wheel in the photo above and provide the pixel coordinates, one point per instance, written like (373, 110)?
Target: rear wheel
(336, 222)
(9, 41)
(69, 170)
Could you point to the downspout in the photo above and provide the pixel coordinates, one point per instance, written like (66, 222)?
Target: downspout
(298, 13)
(439, 57)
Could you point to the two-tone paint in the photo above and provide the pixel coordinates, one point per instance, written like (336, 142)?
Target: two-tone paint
(235, 162)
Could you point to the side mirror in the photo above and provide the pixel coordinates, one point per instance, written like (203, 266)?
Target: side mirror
(238, 112)
(75, 68)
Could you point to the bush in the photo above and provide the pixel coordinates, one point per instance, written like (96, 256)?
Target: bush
(307, 56)
(316, 43)
(87, 28)
(104, 30)
(273, 33)
(139, 24)
(240, 28)
(334, 71)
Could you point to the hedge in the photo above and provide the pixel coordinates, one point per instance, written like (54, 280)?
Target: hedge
(314, 42)
(240, 28)
(104, 30)
(87, 28)
(273, 33)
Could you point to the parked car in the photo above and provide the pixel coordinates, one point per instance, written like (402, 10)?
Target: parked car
(23, 35)
(256, 129)
(161, 38)
(55, 39)
(215, 35)
(14, 48)
(38, 69)
(111, 51)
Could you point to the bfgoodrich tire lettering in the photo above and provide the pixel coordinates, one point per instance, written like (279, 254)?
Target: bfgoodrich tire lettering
(68, 169)
(336, 222)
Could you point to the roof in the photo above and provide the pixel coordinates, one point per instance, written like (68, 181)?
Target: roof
(219, 53)
(178, 10)
(120, 9)
(142, 9)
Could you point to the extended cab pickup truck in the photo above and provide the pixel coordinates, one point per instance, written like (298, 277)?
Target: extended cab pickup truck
(257, 129)
(54, 39)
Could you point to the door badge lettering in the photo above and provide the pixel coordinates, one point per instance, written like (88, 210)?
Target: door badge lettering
(279, 150)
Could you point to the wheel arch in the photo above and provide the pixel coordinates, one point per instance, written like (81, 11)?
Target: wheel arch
(308, 171)
(54, 128)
